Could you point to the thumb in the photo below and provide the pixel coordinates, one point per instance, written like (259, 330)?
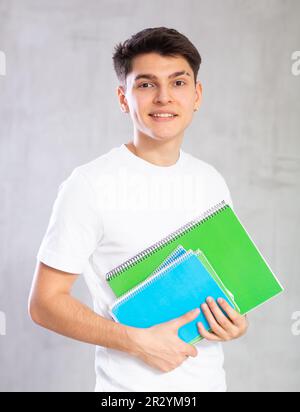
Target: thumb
(186, 318)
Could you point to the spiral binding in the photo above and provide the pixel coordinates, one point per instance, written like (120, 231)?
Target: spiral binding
(139, 288)
(170, 259)
(150, 250)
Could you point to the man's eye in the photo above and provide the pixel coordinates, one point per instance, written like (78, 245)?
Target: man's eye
(142, 84)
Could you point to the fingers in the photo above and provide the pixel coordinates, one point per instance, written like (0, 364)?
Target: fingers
(191, 351)
(219, 316)
(233, 315)
(222, 327)
(186, 318)
(213, 317)
(208, 335)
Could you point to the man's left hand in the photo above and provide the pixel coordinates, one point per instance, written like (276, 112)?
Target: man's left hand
(222, 328)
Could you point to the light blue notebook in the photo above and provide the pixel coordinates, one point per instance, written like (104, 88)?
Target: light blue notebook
(179, 251)
(179, 287)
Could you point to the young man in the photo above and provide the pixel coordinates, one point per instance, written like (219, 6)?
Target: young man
(113, 207)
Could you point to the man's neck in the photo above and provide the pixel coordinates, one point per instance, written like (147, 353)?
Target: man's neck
(159, 154)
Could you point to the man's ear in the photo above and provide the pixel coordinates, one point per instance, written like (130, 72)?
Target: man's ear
(122, 99)
(199, 92)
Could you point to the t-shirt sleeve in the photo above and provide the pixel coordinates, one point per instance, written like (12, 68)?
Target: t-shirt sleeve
(75, 226)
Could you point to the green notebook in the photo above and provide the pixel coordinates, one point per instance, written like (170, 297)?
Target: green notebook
(232, 254)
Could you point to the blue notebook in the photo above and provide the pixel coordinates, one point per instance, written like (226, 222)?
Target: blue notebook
(176, 289)
(179, 251)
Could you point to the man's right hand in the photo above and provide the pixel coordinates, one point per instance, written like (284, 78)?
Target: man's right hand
(160, 346)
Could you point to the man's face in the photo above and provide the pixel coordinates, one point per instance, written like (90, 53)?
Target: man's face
(168, 92)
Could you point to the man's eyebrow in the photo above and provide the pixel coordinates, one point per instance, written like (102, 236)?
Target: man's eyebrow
(153, 77)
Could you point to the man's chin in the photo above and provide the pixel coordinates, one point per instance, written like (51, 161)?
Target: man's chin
(164, 138)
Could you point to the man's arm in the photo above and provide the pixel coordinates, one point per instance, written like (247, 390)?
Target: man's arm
(52, 306)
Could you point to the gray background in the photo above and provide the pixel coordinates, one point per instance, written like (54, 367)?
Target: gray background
(58, 109)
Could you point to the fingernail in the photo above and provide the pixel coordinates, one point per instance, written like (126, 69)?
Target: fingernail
(220, 300)
(197, 310)
(209, 300)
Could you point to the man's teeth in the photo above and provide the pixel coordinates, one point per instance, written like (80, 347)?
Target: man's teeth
(163, 115)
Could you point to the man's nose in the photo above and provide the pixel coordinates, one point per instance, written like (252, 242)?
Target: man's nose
(163, 95)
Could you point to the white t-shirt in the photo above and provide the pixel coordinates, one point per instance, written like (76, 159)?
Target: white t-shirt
(107, 211)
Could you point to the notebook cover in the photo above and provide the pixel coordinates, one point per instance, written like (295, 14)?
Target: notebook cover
(179, 251)
(222, 238)
(178, 288)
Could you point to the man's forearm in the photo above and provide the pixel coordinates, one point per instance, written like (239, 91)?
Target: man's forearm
(69, 317)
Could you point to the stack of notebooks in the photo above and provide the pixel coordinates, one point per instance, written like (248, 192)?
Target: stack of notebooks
(212, 255)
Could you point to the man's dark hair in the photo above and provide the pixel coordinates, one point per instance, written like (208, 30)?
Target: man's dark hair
(161, 40)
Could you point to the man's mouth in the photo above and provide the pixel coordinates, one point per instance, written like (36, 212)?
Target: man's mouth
(163, 116)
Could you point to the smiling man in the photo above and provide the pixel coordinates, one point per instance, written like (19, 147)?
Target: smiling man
(113, 207)
(160, 94)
